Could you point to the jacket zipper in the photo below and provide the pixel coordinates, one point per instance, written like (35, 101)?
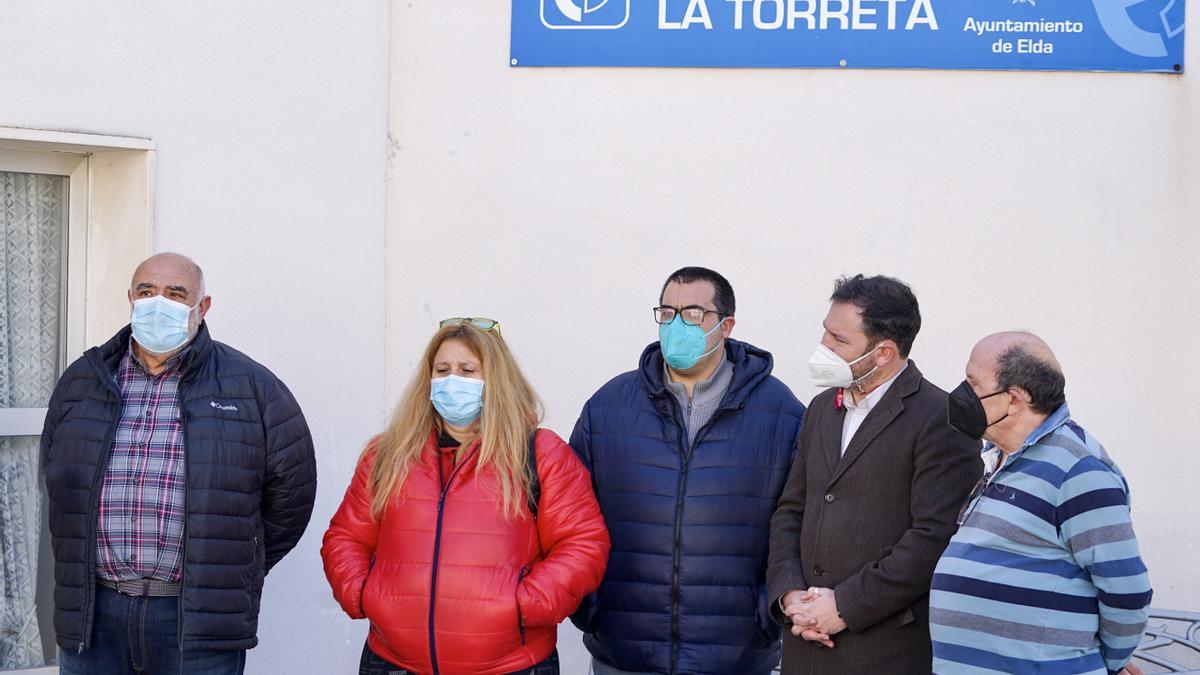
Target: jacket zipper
(682, 488)
(437, 548)
(183, 420)
(89, 558)
(684, 458)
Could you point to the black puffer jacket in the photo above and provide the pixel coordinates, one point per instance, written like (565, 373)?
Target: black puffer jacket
(251, 482)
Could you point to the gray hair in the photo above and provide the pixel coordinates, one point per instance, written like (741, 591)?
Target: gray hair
(1016, 367)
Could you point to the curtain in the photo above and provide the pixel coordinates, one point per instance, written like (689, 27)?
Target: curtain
(33, 216)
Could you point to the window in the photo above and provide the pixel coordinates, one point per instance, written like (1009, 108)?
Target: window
(36, 212)
(72, 208)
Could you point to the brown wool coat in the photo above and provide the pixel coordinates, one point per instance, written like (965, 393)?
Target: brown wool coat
(871, 525)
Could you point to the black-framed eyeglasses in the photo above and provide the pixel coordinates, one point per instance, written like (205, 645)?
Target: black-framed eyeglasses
(692, 315)
(479, 322)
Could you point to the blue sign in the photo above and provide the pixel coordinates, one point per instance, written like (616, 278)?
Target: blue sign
(1118, 35)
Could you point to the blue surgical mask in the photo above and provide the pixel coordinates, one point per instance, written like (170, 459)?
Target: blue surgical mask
(161, 325)
(683, 344)
(457, 399)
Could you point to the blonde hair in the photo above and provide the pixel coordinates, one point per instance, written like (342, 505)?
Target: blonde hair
(511, 412)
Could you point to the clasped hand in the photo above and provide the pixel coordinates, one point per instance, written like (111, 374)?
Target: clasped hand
(814, 614)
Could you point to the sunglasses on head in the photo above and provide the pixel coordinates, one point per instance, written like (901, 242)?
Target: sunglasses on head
(480, 323)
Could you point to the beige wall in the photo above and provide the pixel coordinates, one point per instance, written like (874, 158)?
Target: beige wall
(557, 200)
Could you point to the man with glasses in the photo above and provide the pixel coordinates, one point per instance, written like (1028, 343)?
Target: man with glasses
(871, 499)
(688, 455)
(1044, 573)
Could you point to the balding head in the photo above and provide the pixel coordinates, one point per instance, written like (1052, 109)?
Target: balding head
(176, 277)
(1022, 360)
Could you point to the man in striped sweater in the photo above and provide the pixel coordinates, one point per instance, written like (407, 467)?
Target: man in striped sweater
(1044, 574)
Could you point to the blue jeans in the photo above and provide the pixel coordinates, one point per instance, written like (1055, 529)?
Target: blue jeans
(601, 668)
(132, 636)
(374, 664)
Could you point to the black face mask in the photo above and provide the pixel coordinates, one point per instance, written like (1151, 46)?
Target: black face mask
(964, 411)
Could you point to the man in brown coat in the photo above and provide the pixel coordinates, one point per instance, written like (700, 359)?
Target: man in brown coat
(872, 498)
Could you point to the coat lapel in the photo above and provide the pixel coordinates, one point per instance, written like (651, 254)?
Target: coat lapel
(831, 437)
(884, 413)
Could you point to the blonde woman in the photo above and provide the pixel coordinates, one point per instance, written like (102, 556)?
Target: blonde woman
(461, 559)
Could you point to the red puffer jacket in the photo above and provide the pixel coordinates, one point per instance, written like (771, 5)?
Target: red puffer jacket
(452, 587)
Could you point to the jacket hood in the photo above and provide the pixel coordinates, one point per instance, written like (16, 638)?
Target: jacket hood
(751, 366)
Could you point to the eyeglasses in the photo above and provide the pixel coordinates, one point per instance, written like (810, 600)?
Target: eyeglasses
(482, 324)
(976, 491)
(692, 315)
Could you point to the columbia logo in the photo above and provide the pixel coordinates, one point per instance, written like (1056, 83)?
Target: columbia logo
(226, 408)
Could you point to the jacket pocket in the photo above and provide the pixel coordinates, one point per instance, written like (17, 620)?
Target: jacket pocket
(767, 630)
(516, 599)
(365, 593)
(258, 574)
(362, 592)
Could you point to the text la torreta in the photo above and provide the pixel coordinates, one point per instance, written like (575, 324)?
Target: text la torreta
(806, 14)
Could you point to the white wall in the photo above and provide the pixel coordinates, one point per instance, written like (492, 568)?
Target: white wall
(557, 200)
(270, 124)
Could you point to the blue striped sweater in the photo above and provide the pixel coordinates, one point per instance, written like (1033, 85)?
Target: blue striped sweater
(1043, 575)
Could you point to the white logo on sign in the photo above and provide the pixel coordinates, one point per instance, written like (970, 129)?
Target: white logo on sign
(1116, 21)
(585, 14)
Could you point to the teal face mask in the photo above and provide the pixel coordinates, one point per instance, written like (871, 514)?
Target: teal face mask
(683, 344)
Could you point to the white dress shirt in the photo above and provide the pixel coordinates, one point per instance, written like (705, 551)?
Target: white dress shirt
(857, 412)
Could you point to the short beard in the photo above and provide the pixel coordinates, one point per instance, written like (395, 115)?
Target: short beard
(859, 370)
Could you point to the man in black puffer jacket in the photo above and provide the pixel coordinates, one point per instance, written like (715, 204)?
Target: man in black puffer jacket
(178, 471)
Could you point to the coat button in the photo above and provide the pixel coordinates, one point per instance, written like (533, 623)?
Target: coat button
(829, 498)
(818, 571)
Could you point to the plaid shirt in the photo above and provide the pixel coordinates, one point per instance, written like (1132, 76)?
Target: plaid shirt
(140, 527)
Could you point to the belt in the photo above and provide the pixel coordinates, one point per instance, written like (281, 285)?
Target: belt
(143, 588)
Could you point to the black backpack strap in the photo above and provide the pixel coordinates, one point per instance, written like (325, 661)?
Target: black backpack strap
(535, 483)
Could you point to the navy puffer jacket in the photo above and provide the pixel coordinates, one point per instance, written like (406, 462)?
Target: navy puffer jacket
(685, 590)
(251, 481)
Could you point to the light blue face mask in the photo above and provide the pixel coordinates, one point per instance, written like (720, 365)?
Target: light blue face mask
(161, 325)
(683, 344)
(457, 399)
